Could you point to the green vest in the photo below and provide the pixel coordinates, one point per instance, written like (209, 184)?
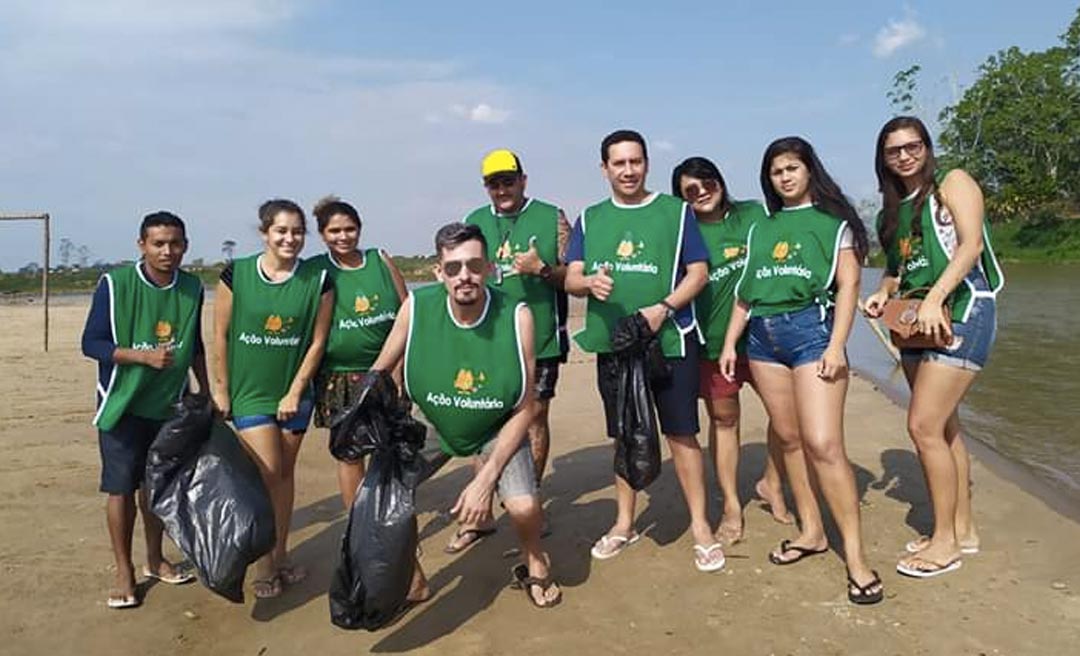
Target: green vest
(269, 333)
(640, 246)
(507, 235)
(144, 316)
(920, 260)
(467, 380)
(726, 243)
(791, 261)
(365, 304)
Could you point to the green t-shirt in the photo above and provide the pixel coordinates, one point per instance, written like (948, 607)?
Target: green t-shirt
(365, 304)
(639, 246)
(791, 261)
(726, 243)
(144, 316)
(269, 333)
(537, 224)
(467, 380)
(920, 260)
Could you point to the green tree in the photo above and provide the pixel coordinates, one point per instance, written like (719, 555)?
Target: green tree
(1017, 128)
(905, 86)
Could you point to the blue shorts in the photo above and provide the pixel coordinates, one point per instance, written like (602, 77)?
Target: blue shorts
(298, 424)
(790, 338)
(972, 340)
(675, 398)
(123, 453)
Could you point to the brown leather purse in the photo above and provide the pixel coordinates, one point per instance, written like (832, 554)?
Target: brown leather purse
(900, 316)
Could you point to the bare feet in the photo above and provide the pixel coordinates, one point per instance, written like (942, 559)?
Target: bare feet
(123, 594)
(266, 588)
(968, 545)
(730, 530)
(774, 502)
(166, 572)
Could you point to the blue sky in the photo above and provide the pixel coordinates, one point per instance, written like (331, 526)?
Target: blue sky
(112, 109)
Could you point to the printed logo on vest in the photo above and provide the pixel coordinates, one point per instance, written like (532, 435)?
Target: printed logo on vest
(276, 328)
(911, 255)
(734, 260)
(785, 256)
(163, 332)
(629, 258)
(467, 382)
(365, 305)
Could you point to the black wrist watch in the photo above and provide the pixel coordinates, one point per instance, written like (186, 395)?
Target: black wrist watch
(545, 272)
(670, 309)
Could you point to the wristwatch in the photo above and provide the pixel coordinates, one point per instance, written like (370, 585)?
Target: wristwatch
(670, 309)
(545, 271)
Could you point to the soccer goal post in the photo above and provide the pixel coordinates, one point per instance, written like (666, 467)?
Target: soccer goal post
(44, 218)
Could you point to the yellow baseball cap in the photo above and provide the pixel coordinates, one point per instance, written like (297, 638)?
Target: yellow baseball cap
(500, 161)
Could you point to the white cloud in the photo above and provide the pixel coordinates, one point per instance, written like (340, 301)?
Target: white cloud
(896, 35)
(485, 113)
(146, 15)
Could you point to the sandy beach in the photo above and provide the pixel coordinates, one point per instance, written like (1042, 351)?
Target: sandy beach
(1020, 595)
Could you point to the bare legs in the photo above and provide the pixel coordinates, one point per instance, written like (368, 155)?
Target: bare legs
(120, 511)
(349, 476)
(724, 445)
(936, 391)
(540, 436)
(807, 415)
(274, 452)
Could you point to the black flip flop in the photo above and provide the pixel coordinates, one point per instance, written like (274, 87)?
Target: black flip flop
(860, 594)
(523, 581)
(804, 552)
(476, 534)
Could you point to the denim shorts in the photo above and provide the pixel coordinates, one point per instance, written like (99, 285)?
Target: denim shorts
(298, 423)
(972, 340)
(790, 338)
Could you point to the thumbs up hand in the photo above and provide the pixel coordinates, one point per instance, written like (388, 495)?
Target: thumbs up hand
(529, 262)
(600, 284)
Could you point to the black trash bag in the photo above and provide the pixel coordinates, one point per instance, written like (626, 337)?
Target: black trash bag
(637, 359)
(378, 549)
(210, 496)
(355, 431)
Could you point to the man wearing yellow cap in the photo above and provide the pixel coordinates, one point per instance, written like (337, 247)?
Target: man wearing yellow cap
(526, 239)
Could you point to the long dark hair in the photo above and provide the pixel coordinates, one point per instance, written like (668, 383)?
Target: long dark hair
(701, 168)
(824, 192)
(892, 188)
(329, 206)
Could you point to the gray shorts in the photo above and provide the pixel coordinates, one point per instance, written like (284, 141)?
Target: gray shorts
(518, 478)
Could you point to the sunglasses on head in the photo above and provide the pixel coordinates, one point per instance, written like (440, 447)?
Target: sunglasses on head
(499, 181)
(912, 148)
(475, 265)
(695, 190)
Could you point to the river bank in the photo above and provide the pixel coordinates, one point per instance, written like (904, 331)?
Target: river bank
(1019, 596)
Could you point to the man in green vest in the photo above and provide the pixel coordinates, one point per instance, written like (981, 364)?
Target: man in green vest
(469, 358)
(641, 251)
(526, 240)
(144, 330)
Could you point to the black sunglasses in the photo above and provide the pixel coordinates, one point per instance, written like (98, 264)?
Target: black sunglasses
(475, 265)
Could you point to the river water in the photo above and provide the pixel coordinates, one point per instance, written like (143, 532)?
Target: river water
(1025, 404)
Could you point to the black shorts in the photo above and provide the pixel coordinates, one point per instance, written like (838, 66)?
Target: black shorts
(547, 375)
(676, 399)
(123, 453)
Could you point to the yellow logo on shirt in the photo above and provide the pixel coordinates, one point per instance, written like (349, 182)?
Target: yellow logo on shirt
(163, 331)
(363, 304)
(628, 248)
(276, 324)
(733, 251)
(467, 382)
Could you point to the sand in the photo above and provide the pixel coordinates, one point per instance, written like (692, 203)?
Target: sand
(1018, 596)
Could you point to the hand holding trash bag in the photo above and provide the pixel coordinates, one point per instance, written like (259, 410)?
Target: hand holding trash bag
(636, 360)
(378, 551)
(210, 496)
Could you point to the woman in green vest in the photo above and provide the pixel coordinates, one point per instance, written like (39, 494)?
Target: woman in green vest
(724, 224)
(271, 319)
(937, 244)
(798, 293)
(368, 290)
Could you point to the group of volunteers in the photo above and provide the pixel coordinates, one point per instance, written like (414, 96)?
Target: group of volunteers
(734, 291)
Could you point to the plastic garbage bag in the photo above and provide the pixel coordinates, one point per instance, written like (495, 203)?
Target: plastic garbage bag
(378, 549)
(210, 496)
(637, 360)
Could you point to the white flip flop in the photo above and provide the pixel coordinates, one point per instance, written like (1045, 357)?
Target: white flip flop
(915, 572)
(914, 547)
(702, 554)
(617, 543)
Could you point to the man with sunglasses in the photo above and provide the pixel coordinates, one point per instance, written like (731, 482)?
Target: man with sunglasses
(469, 361)
(641, 251)
(526, 239)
